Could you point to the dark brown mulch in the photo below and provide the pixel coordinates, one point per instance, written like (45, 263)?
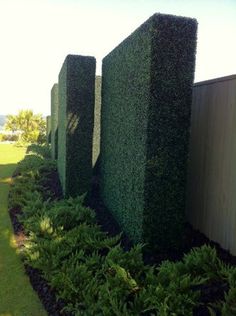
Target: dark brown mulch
(46, 294)
(209, 293)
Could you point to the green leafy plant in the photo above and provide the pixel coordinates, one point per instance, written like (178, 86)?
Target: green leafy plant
(91, 271)
(40, 150)
(31, 162)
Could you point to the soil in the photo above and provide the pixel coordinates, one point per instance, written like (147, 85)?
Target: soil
(209, 293)
(46, 294)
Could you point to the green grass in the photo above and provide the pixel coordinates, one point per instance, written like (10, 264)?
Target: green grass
(17, 298)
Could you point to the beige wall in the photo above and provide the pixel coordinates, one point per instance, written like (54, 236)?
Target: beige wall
(211, 200)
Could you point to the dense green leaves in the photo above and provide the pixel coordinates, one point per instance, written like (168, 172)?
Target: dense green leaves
(75, 121)
(43, 151)
(97, 120)
(146, 101)
(91, 271)
(54, 121)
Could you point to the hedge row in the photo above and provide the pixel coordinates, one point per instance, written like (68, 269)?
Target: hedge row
(75, 121)
(54, 121)
(145, 119)
(97, 118)
(146, 101)
(48, 128)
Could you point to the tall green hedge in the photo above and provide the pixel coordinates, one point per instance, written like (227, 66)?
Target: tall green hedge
(97, 119)
(48, 129)
(54, 121)
(146, 102)
(75, 123)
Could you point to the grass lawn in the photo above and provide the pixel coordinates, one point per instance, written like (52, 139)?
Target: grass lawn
(17, 298)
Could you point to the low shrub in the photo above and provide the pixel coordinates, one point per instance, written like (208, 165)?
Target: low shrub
(30, 163)
(42, 151)
(42, 170)
(95, 276)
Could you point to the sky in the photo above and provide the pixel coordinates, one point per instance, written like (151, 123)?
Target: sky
(37, 35)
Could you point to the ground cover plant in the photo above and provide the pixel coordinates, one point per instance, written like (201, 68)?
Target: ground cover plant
(93, 275)
(12, 275)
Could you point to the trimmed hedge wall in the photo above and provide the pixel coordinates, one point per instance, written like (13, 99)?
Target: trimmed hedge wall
(48, 129)
(75, 125)
(97, 120)
(146, 103)
(54, 121)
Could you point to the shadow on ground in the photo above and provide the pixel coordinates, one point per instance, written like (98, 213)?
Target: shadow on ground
(17, 297)
(5, 171)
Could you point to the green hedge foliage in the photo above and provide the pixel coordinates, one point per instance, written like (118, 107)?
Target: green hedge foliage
(48, 131)
(75, 125)
(97, 119)
(54, 121)
(146, 102)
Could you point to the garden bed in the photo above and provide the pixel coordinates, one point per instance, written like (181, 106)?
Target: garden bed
(210, 292)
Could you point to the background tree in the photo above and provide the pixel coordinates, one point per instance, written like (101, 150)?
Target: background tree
(32, 127)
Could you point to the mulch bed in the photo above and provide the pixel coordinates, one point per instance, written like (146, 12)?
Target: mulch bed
(46, 294)
(209, 293)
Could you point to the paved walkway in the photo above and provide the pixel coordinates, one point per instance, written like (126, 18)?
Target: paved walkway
(17, 298)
